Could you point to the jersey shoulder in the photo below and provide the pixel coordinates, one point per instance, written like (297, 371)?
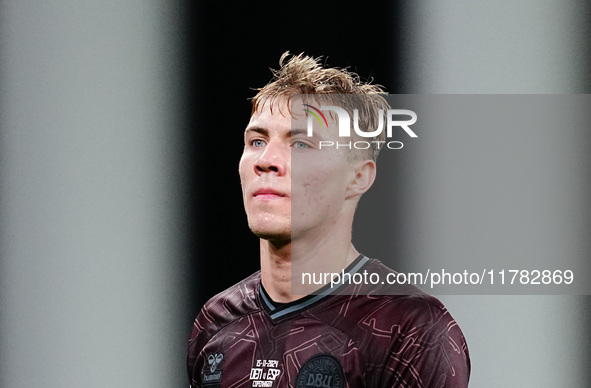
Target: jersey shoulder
(229, 305)
(408, 307)
(426, 342)
(403, 333)
(385, 308)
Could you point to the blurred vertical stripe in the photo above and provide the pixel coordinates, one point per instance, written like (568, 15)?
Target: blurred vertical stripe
(505, 47)
(92, 230)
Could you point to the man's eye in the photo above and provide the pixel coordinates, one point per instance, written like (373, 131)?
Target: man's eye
(300, 145)
(258, 143)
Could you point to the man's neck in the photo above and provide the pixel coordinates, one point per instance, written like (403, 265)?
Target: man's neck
(282, 265)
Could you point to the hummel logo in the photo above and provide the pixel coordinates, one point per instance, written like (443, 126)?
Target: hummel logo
(214, 360)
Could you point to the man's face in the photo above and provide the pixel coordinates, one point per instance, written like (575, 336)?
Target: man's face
(291, 188)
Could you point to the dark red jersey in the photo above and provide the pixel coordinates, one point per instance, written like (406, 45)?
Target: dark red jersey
(242, 338)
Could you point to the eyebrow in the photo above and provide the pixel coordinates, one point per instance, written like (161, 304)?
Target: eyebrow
(265, 132)
(297, 132)
(260, 130)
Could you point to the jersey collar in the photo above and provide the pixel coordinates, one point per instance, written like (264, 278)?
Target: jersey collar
(278, 310)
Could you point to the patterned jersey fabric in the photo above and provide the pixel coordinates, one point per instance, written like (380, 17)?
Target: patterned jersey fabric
(356, 337)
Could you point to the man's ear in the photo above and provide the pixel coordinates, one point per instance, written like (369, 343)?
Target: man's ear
(364, 174)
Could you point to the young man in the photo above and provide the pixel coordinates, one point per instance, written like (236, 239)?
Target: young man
(300, 200)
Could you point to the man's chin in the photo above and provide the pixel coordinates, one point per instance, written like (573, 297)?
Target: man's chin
(272, 235)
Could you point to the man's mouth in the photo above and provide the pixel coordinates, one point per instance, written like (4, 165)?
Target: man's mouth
(268, 193)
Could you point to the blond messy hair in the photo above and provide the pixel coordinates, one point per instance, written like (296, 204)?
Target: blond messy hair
(300, 74)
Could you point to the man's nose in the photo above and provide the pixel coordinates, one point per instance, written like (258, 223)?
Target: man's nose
(272, 159)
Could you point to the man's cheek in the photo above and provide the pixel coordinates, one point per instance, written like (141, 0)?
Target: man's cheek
(314, 190)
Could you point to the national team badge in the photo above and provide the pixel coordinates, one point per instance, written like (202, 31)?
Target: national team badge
(322, 371)
(210, 374)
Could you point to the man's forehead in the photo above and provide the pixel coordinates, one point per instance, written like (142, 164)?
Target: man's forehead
(290, 116)
(272, 114)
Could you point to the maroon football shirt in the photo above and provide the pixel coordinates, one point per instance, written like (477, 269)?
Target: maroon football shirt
(242, 338)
